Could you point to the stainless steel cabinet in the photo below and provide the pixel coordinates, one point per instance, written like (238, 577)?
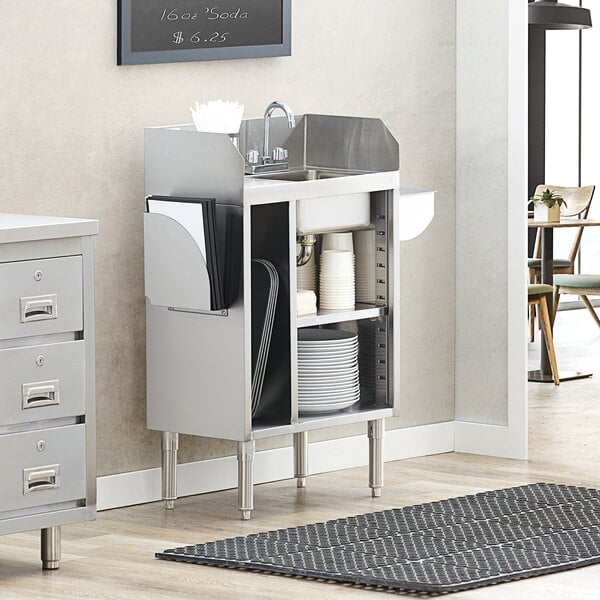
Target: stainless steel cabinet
(199, 363)
(47, 411)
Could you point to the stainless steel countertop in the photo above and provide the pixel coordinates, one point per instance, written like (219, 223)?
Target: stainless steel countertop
(26, 228)
(260, 190)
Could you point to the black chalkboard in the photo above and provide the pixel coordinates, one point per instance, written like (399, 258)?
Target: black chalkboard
(152, 31)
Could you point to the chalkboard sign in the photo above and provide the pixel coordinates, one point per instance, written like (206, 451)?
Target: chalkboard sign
(153, 31)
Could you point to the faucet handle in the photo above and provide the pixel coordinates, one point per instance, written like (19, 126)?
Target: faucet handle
(279, 154)
(252, 157)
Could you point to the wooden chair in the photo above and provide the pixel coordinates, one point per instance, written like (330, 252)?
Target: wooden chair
(537, 294)
(578, 201)
(578, 285)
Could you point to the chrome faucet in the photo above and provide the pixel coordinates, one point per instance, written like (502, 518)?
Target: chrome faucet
(275, 160)
(268, 112)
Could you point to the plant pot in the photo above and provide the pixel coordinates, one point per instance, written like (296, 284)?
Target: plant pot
(542, 213)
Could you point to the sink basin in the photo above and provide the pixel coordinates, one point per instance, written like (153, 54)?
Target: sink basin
(307, 174)
(321, 214)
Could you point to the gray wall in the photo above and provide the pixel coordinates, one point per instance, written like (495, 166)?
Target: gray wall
(481, 211)
(72, 123)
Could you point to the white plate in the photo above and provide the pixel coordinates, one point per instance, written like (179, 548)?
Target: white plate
(328, 344)
(352, 353)
(349, 360)
(319, 378)
(307, 336)
(319, 348)
(327, 376)
(326, 401)
(322, 365)
(306, 357)
(305, 347)
(326, 351)
(318, 392)
(324, 408)
(342, 402)
(326, 397)
(310, 387)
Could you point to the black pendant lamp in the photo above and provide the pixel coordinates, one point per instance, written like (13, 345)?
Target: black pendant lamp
(550, 14)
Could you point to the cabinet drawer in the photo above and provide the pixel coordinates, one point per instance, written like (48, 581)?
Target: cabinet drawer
(42, 467)
(42, 382)
(38, 297)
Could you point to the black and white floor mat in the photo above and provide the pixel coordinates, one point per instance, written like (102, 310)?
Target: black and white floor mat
(443, 546)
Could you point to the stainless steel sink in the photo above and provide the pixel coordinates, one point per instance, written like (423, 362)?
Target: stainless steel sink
(308, 174)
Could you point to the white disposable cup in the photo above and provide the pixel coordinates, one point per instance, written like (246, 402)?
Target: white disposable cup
(337, 263)
(338, 241)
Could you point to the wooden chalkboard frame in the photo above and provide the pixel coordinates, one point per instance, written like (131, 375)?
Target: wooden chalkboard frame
(126, 57)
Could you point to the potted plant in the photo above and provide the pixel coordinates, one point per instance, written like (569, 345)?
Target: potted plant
(546, 207)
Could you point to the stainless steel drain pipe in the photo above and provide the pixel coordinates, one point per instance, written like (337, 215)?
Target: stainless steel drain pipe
(305, 246)
(169, 444)
(375, 431)
(50, 548)
(301, 458)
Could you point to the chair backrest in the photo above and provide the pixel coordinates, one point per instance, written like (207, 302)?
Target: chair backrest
(578, 201)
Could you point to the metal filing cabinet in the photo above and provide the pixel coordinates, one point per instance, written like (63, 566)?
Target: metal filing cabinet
(47, 411)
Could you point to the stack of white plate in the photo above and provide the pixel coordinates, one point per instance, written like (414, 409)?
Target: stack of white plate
(328, 378)
(307, 275)
(364, 242)
(336, 280)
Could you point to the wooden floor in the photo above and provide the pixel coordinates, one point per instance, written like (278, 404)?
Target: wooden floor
(112, 558)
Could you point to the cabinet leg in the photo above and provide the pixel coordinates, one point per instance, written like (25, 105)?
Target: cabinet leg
(376, 429)
(169, 444)
(245, 455)
(301, 458)
(50, 548)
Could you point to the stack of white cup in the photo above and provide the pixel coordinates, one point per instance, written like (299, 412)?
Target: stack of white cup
(336, 280)
(339, 240)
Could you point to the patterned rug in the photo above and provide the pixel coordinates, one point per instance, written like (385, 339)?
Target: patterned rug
(438, 547)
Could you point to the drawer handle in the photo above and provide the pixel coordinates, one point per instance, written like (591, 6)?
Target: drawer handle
(38, 308)
(37, 479)
(41, 393)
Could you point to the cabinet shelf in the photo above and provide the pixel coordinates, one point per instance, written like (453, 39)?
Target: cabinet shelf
(356, 414)
(324, 317)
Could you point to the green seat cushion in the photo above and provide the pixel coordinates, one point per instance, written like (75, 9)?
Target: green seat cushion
(536, 263)
(578, 281)
(539, 288)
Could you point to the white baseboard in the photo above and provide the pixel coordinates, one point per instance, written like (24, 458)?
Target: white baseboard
(489, 440)
(139, 487)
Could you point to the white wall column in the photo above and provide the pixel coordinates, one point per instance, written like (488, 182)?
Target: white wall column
(490, 383)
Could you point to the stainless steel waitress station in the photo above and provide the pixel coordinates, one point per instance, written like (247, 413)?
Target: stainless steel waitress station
(199, 370)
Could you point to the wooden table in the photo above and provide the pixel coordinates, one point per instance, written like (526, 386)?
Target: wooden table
(544, 373)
